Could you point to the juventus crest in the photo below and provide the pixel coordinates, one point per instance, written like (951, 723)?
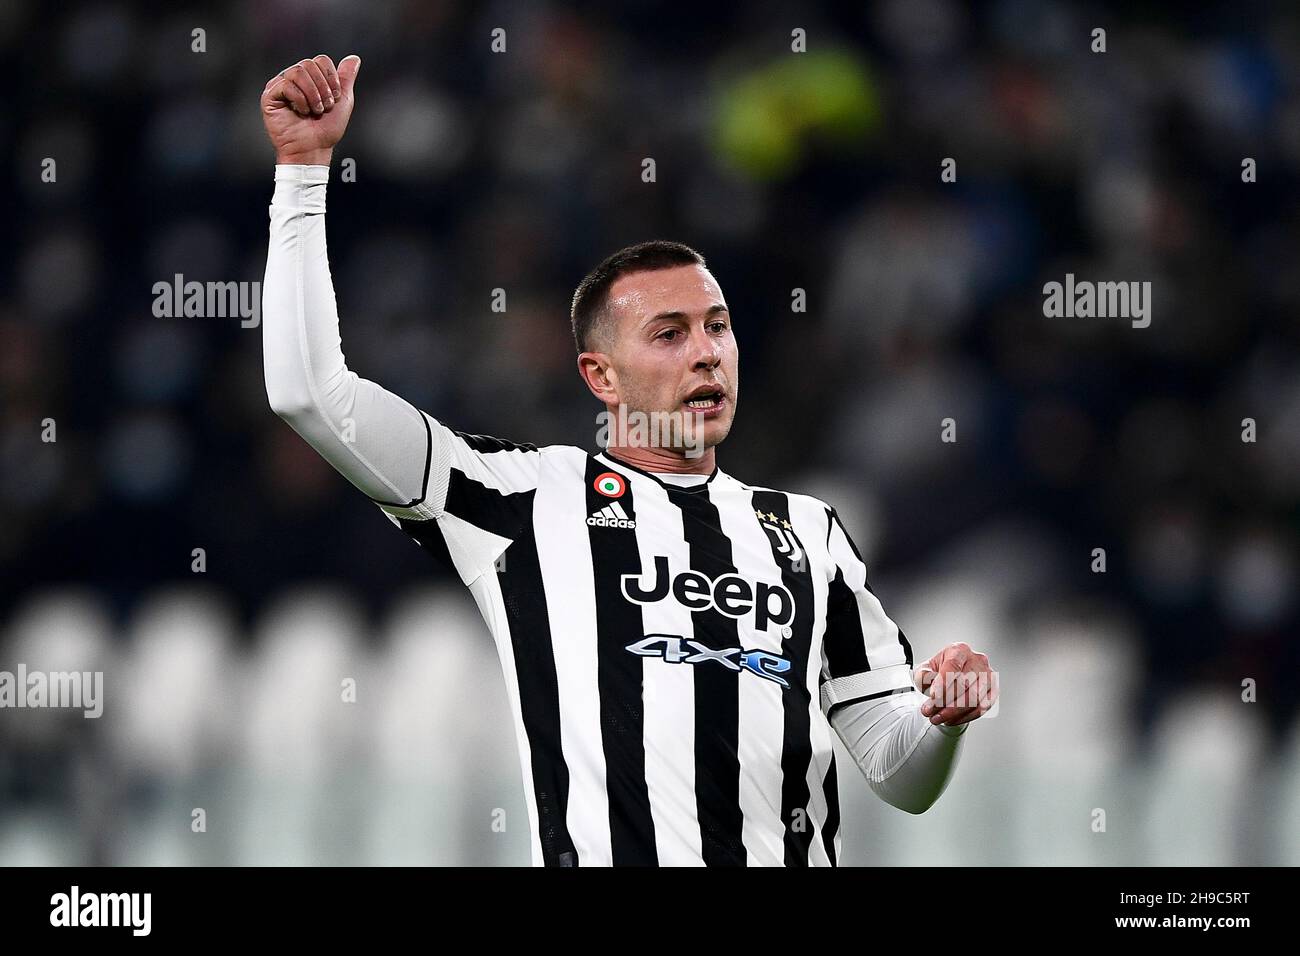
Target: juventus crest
(783, 537)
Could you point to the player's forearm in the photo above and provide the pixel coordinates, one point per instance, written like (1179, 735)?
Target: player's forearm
(304, 364)
(377, 440)
(907, 761)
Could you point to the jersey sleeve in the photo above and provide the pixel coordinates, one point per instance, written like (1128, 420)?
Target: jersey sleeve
(865, 656)
(478, 498)
(463, 496)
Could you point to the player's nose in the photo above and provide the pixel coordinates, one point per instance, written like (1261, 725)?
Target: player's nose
(705, 349)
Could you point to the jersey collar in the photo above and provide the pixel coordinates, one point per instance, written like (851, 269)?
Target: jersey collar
(619, 465)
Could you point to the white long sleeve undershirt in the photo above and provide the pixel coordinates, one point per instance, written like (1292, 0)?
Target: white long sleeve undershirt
(383, 445)
(907, 761)
(374, 438)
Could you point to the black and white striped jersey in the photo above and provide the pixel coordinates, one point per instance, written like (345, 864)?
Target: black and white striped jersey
(671, 651)
(678, 650)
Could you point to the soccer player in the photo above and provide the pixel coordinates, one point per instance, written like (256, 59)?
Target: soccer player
(677, 645)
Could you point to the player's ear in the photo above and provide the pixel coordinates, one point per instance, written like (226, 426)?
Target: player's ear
(596, 371)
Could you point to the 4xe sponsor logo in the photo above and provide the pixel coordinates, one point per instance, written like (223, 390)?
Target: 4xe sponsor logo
(682, 650)
(771, 604)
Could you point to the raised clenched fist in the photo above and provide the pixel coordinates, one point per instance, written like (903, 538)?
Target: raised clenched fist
(306, 107)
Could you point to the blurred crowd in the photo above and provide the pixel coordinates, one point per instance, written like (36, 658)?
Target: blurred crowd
(818, 171)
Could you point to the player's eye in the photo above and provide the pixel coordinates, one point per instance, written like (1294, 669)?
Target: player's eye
(718, 327)
(668, 334)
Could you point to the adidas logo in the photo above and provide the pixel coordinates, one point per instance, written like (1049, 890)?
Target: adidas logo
(611, 516)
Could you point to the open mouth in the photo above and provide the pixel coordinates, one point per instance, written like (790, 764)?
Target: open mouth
(706, 398)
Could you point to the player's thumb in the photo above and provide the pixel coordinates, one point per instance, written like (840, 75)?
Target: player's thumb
(349, 67)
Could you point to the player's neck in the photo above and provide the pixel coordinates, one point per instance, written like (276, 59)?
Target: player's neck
(663, 460)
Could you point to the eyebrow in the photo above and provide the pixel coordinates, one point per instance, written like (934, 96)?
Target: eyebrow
(711, 311)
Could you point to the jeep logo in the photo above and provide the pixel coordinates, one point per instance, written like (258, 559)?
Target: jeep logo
(771, 604)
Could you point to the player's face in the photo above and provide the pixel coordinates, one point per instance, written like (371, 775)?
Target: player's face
(672, 348)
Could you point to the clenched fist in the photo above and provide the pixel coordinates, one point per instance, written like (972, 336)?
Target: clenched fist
(960, 684)
(306, 107)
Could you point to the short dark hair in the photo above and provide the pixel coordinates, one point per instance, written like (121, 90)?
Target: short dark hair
(592, 294)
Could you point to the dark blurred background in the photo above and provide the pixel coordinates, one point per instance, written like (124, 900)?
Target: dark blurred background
(520, 170)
